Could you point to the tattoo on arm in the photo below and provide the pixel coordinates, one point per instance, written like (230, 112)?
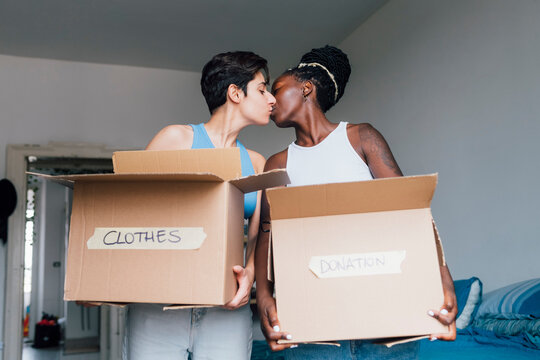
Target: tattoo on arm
(383, 151)
(380, 154)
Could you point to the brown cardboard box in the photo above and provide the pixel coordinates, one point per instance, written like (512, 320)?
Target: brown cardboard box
(167, 227)
(356, 260)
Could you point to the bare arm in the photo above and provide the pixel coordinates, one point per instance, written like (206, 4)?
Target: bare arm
(265, 289)
(374, 150)
(246, 275)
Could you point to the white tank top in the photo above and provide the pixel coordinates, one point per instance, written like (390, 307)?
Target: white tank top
(332, 160)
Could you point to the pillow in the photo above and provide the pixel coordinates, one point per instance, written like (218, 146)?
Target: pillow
(519, 298)
(469, 295)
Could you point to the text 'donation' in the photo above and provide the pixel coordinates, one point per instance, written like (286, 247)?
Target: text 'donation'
(374, 263)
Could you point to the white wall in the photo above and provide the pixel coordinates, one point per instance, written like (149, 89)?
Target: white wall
(454, 86)
(48, 100)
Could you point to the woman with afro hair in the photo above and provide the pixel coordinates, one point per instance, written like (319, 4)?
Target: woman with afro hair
(326, 152)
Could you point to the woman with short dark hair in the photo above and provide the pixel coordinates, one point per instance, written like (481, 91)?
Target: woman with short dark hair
(234, 85)
(325, 152)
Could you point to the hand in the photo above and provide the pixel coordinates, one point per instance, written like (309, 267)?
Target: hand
(447, 313)
(245, 282)
(270, 324)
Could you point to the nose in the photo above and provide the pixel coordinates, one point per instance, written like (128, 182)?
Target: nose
(271, 99)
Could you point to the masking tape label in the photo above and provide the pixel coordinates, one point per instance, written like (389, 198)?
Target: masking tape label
(375, 263)
(166, 238)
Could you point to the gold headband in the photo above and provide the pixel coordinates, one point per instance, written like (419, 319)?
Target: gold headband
(301, 65)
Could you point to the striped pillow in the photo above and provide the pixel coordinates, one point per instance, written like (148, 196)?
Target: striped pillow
(519, 298)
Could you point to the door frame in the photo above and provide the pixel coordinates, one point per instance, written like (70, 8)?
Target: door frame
(16, 165)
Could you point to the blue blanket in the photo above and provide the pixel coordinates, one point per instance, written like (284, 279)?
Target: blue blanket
(473, 343)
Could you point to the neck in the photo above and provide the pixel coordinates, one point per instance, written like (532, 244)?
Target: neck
(313, 129)
(224, 126)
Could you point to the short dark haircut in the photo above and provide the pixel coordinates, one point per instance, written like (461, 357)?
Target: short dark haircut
(238, 68)
(329, 90)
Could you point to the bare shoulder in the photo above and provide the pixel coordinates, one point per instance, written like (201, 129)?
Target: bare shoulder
(364, 137)
(363, 130)
(172, 137)
(277, 161)
(373, 148)
(257, 160)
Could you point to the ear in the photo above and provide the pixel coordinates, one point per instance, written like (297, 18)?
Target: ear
(234, 93)
(307, 88)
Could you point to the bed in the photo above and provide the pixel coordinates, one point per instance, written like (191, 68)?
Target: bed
(502, 324)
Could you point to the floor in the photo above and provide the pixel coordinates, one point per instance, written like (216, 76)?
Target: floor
(56, 353)
(260, 349)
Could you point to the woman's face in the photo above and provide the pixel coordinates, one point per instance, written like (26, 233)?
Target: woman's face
(258, 102)
(289, 100)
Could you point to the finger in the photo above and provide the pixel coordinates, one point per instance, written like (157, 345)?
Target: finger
(238, 270)
(449, 305)
(450, 336)
(446, 337)
(274, 346)
(266, 327)
(242, 294)
(271, 334)
(272, 317)
(244, 284)
(233, 304)
(444, 317)
(276, 333)
(238, 301)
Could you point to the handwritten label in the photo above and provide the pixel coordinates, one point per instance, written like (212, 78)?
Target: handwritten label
(375, 263)
(166, 238)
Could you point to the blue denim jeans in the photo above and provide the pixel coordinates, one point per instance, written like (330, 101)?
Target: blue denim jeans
(195, 334)
(354, 350)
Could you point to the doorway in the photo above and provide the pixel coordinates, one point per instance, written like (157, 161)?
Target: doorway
(37, 244)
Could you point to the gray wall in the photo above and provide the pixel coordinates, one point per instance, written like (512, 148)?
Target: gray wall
(454, 87)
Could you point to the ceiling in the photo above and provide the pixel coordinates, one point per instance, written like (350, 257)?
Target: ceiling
(175, 34)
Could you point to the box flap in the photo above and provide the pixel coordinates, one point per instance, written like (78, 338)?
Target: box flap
(224, 163)
(269, 179)
(99, 303)
(60, 180)
(270, 260)
(402, 340)
(389, 342)
(398, 193)
(186, 306)
(68, 180)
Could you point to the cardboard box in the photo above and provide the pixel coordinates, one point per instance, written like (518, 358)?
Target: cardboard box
(167, 227)
(356, 260)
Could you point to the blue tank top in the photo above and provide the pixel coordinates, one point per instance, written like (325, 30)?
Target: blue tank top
(201, 140)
